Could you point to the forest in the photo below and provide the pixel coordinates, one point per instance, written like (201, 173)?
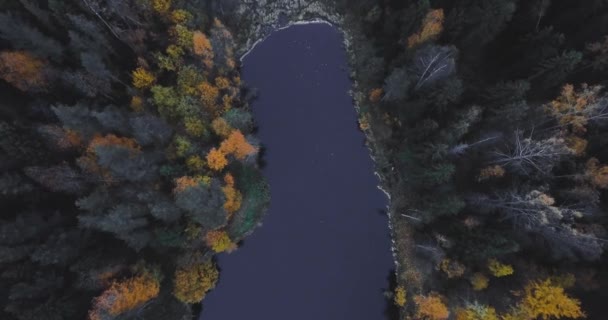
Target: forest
(489, 117)
(127, 158)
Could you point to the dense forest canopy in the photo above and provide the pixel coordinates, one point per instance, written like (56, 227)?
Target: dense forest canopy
(490, 120)
(128, 158)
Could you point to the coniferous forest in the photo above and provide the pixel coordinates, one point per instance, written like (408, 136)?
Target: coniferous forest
(127, 158)
(128, 155)
(490, 119)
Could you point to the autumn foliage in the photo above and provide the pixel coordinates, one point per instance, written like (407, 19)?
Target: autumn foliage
(431, 307)
(545, 300)
(202, 47)
(22, 70)
(375, 95)
(221, 127)
(597, 173)
(219, 241)
(142, 78)
(64, 139)
(89, 160)
(477, 312)
(183, 183)
(431, 28)
(216, 159)
(237, 145)
(208, 94)
(233, 196)
(574, 108)
(498, 269)
(192, 282)
(113, 140)
(161, 6)
(400, 296)
(479, 281)
(125, 295)
(453, 269)
(489, 172)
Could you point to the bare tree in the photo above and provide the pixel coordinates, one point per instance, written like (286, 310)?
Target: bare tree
(536, 212)
(461, 148)
(528, 210)
(433, 63)
(527, 155)
(541, 6)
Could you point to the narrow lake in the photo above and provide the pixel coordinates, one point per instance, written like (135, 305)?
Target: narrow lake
(323, 252)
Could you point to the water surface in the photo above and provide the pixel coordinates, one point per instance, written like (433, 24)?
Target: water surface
(323, 252)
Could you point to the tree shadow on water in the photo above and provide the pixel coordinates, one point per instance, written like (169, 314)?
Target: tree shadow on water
(391, 311)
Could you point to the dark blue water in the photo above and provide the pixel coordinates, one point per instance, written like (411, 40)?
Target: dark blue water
(323, 252)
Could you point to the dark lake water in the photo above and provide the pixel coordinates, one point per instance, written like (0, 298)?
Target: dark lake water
(323, 252)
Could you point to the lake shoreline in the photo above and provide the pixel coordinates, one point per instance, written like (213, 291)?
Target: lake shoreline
(318, 13)
(350, 243)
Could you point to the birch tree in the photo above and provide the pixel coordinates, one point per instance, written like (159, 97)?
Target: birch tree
(432, 64)
(526, 156)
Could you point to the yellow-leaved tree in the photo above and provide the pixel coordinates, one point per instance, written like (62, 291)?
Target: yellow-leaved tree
(191, 283)
(161, 6)
(142, 78)
(400, 297)
(219, 241)
(546, 300)
(479, 281)
(221, 127)
(477, 311)
(498, 269)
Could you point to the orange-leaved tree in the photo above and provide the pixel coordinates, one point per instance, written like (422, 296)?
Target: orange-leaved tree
(89, 160)
(431, 307)
(216, 159)
(233, 196)
(123, 296)
(375, 95)
(573, 109)
(22, 70)
(185, 182)
(190, 283)
(237, 145)
(431, 28)
(596, 173)
(113, 140)
(202, 47)
(209, 94)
